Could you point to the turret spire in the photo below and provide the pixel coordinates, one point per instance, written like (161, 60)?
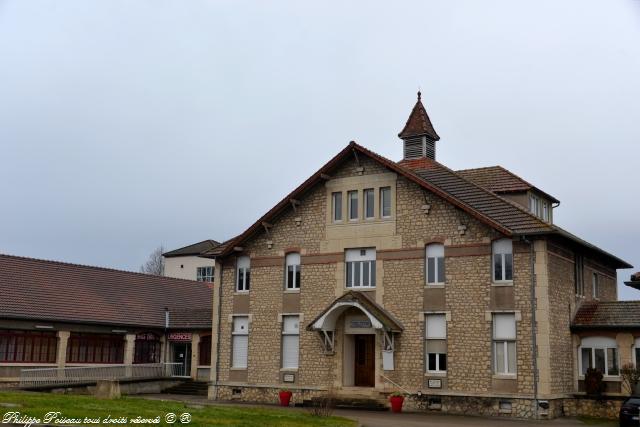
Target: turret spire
(418, 134)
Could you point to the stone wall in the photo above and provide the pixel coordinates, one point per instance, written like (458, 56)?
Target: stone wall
(585, 407)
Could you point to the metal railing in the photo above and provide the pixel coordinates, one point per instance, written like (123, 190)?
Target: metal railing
(389, 380)
(47, 377)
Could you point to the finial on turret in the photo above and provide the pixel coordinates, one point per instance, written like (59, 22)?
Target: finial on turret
(419, 95)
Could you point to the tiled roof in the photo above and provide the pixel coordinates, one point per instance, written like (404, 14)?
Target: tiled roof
(194, 249)
(500, 180)
(506, 213)
(489, 208)
(418, 123)
(635, 277)
(607, 314)
(56, 291)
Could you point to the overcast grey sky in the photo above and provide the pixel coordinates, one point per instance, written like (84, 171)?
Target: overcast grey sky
(125, 125)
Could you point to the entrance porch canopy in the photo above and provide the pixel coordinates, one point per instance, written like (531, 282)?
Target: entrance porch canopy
(379, 317)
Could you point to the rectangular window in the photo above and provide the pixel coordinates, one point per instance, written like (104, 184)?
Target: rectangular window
(27, 346)
(435, 264)
(243, 274)
(385, 202)
(604, 359)
(147, 348)
(336, 199)
(504, 343)
(240, 342)
(503, 260)
(290, 341)
(95, 348)
(293, 271)
(204, 274)
(368, 203)
(436, 343)
(594, 286)
(360, 268)
(545, 211)
(579, 275)
(352, 197)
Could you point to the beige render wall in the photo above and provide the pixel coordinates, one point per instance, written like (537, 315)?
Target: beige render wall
(185, 267)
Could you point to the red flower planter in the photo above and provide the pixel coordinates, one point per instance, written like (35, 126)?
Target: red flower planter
(396, 403)
(285, 398)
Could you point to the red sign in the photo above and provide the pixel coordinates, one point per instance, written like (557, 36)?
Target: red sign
(179, 336)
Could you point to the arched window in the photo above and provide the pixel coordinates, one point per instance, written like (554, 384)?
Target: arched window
(502, 260)
(204, 351)
(292, 278)
(600, 353)
(435, 264)
(243, 274)
(147, 349)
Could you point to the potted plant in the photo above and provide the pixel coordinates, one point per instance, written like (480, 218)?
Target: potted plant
(396, 399)
(285, 397)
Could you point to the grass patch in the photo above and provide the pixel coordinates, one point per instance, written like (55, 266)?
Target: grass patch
(79, 407)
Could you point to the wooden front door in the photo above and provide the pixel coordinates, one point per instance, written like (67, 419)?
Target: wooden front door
(364, 365)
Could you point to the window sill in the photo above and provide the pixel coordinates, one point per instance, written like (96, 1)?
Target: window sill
(241, 292)
(292, 291)
(505, 376)
(505, 283)
(440, 374)
(237, 369)
(604, 378)
(288, 369)
(360, 288)
(434, 286)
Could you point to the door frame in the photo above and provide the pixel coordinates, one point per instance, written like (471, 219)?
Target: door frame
(360, 378)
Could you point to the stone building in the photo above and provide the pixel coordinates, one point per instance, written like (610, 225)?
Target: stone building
(373, 276)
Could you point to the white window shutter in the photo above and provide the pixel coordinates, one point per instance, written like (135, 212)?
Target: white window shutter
(240, 351)
(290, 351)
(435, 251)
(240, 324)
(504, 326)
(290, 325)
(436, 326)
(503, 246)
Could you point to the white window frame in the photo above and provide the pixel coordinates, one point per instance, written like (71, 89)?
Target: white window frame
(292, 260)
(432, 334)
(501, 339)
(599, 343)
(595, 286)
(383, 191)
(636, 353)
(208, 273)
(435, 251)
(545, 211)
(369, 203)
(243, 274)
(290, 328)
(353, 205)
(502, 247)
(360, 261)
(236, 335)
(335, 212)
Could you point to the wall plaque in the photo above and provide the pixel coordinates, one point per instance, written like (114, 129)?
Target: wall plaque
(288, 378)
(435, 383)
(361, 324)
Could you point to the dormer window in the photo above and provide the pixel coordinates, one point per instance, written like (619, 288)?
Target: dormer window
(539, 207)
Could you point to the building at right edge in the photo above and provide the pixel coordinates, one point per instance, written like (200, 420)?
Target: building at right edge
(455, 287)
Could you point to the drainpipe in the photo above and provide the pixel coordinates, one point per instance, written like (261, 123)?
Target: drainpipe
(215, 394)
(534, 342)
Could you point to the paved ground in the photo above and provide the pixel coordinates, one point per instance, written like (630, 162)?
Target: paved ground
(388, 419)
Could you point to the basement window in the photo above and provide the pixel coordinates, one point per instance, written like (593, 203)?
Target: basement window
(505, 407)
